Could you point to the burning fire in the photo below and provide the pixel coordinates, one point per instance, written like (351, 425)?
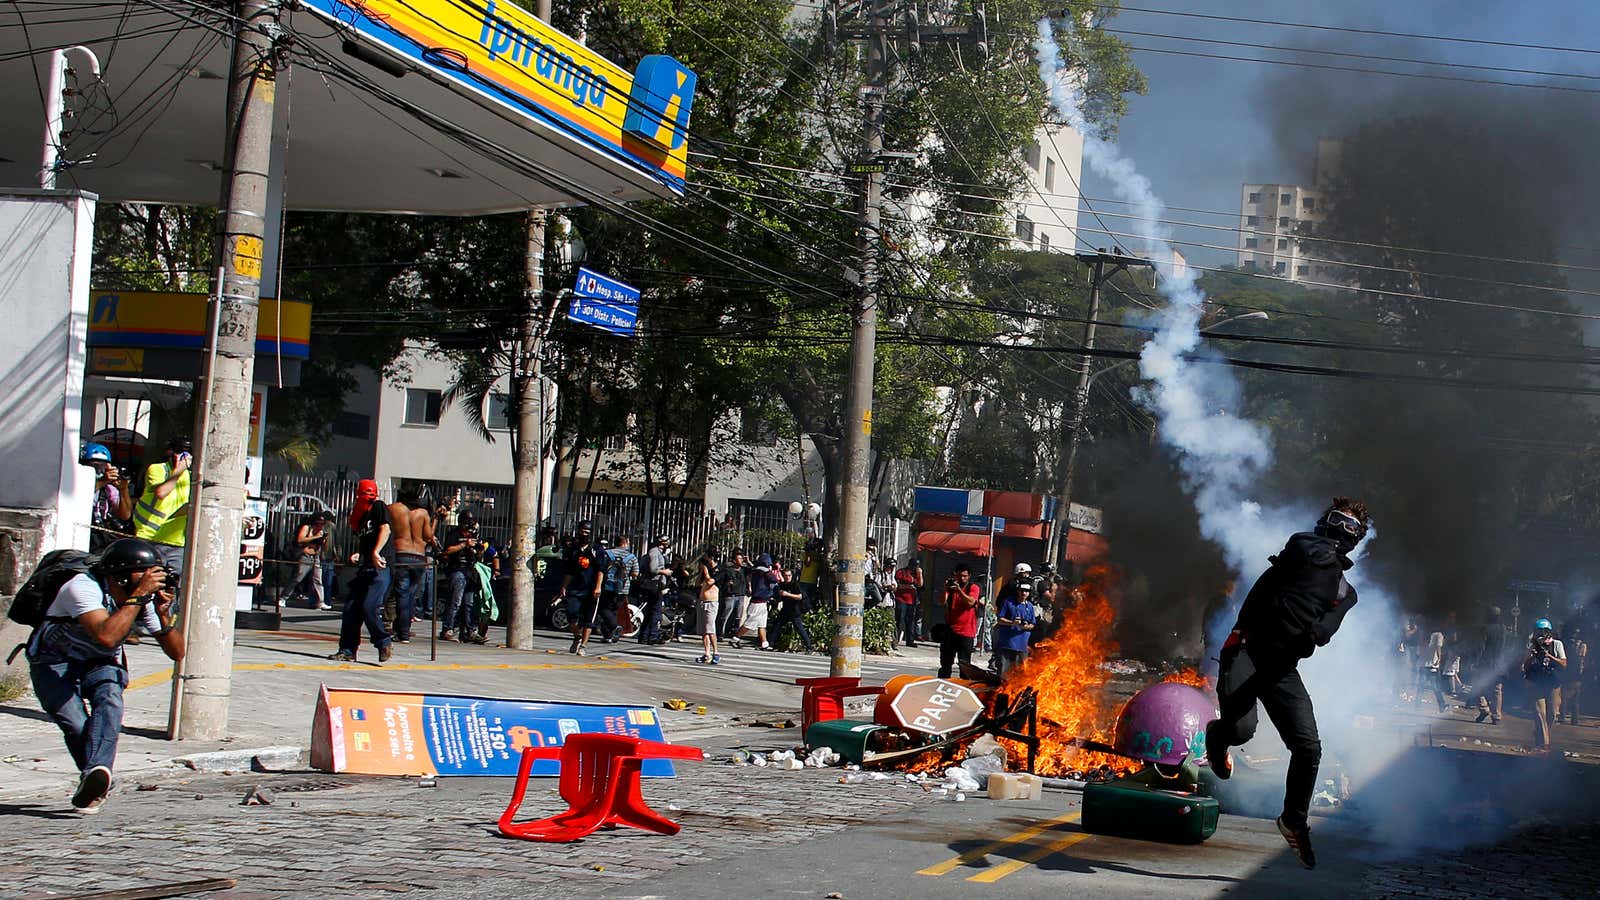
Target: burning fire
(1066, 673)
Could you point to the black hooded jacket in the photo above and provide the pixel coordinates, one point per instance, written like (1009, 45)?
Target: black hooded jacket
(1299, 602)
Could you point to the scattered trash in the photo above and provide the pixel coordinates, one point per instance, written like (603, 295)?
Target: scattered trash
(982, 767)
(257, 796)
(880, 776)
(854, 778)
(822, 758)
(758, 760)
(741, 757)
(674, 807)
(960, 797)
(835, 895)
(959, 779)
(1325, 799)
(1124, 667)
(675, 703)
(12, 759)
(699, 710)
(427, 781)
(148, 787)
(987, 745)
(599, 868)
(199, 796)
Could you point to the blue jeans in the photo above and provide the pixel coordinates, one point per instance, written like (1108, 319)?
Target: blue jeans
(364, 604)
(330, 580)
(463, 602)
(64, 687)
(408, 585)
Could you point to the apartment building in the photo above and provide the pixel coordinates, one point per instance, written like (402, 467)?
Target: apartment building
(1272, 217)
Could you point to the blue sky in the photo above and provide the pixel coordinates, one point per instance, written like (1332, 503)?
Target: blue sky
(1208, 125)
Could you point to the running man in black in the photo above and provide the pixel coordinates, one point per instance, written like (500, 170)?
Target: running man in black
(1294, 608)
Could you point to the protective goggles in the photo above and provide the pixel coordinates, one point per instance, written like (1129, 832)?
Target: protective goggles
(1341, 521)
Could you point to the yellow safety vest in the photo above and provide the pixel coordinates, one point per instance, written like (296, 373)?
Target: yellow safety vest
(163, 520)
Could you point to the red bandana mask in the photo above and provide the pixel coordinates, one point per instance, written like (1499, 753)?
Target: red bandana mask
(366, 494)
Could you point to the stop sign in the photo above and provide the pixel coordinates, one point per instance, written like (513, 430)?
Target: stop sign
(936, 706)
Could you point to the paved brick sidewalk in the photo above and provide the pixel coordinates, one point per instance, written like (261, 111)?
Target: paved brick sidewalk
(1548, 861)
(370, 837)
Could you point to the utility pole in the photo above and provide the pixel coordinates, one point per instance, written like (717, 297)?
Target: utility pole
(528, 383)
(1078, 411)
(202, 682)
(527, 380)
(879, 29)
(854, 506)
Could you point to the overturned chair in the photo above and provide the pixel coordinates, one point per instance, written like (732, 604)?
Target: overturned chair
(600, 782)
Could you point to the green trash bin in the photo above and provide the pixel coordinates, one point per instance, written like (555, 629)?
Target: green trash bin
(846, 737)
(1129, 809)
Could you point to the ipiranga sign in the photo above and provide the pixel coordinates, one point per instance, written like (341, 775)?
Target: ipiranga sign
(517, 62)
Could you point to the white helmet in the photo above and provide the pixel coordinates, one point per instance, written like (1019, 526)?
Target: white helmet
(1022, 569)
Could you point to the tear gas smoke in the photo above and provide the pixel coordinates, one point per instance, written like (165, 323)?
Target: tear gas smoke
(1222, 456)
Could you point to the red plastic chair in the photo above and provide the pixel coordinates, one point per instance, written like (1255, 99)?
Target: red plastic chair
(600, 782)
(823, 700)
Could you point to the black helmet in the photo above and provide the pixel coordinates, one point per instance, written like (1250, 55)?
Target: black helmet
(585, 525)
(128, 555)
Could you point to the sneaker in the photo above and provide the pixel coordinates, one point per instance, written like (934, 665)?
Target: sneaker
(1299, 840)
(1222, 766)
(385, 652)
(448, 634)
(326, 606)
(582, 651)
(477, 637)
(716, 659)
(766, 647)
(1482, 715)
(342, 656)
(404, 640)
(92, 790)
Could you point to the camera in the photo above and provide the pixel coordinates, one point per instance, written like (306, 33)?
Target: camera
(951, 582)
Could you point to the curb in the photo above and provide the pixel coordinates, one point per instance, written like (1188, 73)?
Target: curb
(259, 759)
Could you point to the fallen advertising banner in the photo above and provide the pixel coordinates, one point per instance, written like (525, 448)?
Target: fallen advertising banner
(395, 733)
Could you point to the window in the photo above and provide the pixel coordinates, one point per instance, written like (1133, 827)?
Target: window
(1255, 197)
(1302, 271)
(1283, 243)
(1251, 243)
(1309, 203)
(1283, 221)
(615, 443)
(497, 412)
(423, 406)
(1252, 220)
(1286, 199)
(1280, 268)
(352, 425)
(1025, 229)
(1033, 155)
(1044, 242)
(1049, 174)
(1249, 265)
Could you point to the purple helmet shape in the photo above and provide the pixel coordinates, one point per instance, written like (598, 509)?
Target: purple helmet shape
(1165, 723)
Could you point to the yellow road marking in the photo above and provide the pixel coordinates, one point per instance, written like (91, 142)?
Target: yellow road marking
(972, 856)
(165, 676)
(990, 876)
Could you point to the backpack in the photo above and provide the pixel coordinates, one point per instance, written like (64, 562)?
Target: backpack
(39, 591)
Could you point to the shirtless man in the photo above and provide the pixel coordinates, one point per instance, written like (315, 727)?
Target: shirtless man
(412, 527)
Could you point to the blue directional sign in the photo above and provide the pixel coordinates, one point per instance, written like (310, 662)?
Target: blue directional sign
(604, 303)
(971, 522)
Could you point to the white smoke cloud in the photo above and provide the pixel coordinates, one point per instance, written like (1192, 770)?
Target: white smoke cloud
(1222, 457)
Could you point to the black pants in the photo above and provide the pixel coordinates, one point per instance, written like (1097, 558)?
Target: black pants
(1242, 681)
(952, 647)
(650, 631)
(609, 629)
(792, 613)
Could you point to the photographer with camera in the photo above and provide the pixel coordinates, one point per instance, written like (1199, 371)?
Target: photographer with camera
(76, 660)
(461, 551)
(1543, 668)
(963, 604)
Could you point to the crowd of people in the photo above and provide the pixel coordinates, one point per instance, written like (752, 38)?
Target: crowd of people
(1483, 667)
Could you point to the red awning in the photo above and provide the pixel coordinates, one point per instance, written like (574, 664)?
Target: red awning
(953, 542)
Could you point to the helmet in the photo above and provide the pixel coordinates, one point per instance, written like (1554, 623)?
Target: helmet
(127, 555)
(1165, 723)
(94, 453)
(586, 525)
(1022, 569)
(662, 540)
(1544, 624)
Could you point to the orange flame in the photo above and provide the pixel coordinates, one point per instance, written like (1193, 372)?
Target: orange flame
(1067, 675)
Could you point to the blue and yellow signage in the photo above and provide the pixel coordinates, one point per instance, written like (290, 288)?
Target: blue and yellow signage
(519, 62)
(150, 320)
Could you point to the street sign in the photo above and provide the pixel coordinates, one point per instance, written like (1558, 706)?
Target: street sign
(874, 168)
(1542, 587)
(604, 303)
(971, 522)
(936, 706)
